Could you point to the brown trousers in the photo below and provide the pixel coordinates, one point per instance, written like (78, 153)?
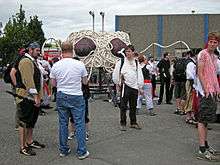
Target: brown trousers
(189, 99)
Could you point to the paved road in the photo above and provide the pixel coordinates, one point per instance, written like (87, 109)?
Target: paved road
(164, 140)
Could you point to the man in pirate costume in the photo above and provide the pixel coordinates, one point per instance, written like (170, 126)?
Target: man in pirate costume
(28, 90)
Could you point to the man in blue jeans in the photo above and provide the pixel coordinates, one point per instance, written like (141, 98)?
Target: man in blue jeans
(67, 75)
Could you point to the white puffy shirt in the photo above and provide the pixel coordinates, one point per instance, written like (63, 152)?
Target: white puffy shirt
(152, 67)
(133, 75)
(191, 70)
(68, 74)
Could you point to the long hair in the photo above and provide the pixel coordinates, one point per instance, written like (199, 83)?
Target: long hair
(141, 58)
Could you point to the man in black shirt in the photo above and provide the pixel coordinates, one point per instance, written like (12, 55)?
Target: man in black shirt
(164, 71)
(13, 79)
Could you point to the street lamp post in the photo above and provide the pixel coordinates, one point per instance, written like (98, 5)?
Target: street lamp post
(1, 29)
(100, 68)
(93, 19)
(102, 14)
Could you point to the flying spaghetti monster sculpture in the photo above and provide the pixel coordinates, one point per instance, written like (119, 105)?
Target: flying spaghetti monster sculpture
(98, 49)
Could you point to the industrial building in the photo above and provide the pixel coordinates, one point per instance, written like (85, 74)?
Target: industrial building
(167, 29)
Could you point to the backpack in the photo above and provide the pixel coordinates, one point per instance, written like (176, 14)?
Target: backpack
(190, 60)
(179, 73)
(6, 73)
(14, 64)
(122, 63)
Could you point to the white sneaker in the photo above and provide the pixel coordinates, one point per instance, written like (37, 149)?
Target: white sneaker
(71, 135)
(63, 155)
(213, 151)
(84, 156)
(87, 136)
(207, 156)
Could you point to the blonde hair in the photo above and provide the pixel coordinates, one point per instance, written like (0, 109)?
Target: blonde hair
(214, 35)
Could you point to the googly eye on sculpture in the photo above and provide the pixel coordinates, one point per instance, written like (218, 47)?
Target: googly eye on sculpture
(117, 46)
(84, 47)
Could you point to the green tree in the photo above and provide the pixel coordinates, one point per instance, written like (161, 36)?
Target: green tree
(18, 33)
(35, 31)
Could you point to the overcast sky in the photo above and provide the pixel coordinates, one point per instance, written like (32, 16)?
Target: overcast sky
(61, 17)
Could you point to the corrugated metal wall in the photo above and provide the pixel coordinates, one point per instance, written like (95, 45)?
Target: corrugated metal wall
(166, 29)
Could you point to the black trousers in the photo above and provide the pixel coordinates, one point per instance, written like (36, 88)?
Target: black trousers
(130, 96)
(154, 84)
(27, 113)
(171, 92)
(164, 82)
(54, 92)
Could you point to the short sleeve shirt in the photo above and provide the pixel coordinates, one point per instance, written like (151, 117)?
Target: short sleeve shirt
(68, 74)
(210, 71)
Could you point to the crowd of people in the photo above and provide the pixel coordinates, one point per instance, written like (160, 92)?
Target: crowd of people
(194, 74)
(193, 78)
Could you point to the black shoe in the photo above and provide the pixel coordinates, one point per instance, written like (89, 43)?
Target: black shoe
(27, 151)
(135, 126)
(182, 113)
(123, 128)
(152, 114)
(158, 103)
(36, 144)
(42, 113)
(46, 106)
(177, 112)
(169, 103)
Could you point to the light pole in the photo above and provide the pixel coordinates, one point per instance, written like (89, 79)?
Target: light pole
(93, 19)
(1, 29)
(102, 14)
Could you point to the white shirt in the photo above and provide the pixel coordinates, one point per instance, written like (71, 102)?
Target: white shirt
(68, 74)
(45, 64)
(171, 70)
(218, 67)
(191, 70)
(132, 75)
(43, 71)
(152, 67)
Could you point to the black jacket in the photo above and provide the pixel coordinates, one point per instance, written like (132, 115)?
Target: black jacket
(164, 68)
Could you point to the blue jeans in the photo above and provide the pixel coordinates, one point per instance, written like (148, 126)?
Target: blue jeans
(71, 105)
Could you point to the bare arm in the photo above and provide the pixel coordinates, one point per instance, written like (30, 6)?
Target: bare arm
(13, 77)
(85, 80)
(201, 66)
(53, 82)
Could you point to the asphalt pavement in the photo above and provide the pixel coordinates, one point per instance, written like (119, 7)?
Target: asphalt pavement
(165, 139)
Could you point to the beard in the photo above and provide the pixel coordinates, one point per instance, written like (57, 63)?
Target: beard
(35, 56)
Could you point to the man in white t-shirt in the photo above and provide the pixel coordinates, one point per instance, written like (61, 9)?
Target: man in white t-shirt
(67, 75)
